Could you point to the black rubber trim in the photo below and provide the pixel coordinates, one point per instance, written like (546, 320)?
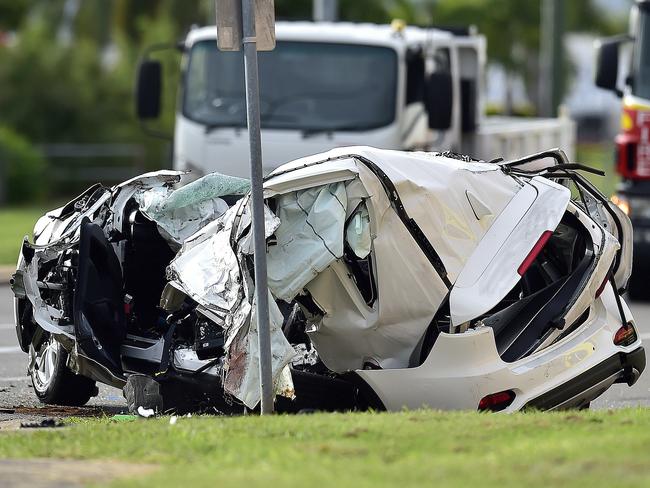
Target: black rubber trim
(621, 364)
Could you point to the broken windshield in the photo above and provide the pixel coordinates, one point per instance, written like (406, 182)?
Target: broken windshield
(304, 86)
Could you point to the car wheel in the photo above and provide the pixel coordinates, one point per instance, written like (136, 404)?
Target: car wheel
(53, 382)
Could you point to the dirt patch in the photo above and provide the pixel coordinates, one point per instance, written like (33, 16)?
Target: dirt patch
(61, 411)
(59, 473)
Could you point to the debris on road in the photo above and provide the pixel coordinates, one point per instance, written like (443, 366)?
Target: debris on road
(42, 424)
(145, 412)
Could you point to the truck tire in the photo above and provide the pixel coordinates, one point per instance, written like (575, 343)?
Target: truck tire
(54, 383)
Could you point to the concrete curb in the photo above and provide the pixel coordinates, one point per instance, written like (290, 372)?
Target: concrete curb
(5, 274)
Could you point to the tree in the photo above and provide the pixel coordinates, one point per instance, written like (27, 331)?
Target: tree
(12, 13)
(512, 27)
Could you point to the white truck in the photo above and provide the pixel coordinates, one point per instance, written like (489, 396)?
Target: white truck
(340, 84)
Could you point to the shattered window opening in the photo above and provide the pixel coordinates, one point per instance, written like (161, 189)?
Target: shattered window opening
(357, 253)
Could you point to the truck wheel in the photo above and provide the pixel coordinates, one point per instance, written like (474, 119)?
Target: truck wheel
(53, 382)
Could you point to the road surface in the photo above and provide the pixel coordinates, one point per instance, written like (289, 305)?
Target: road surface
(15, 387)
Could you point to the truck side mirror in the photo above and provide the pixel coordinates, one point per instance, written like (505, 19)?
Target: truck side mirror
(606, 75)
(148, 89)
(438, 100)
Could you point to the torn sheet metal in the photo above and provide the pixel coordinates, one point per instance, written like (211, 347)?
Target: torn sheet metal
(45, 315)
(207, 269)
(309, 238)
(210, 271)
(242, 374)
(409, 292)
(386, 332)
(245, 243)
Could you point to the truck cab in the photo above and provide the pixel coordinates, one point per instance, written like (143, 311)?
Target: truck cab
(328, 85)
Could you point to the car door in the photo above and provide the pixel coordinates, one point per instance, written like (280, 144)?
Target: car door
(99, 319)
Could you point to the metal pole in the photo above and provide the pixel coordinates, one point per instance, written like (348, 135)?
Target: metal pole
(547, 32)
(325, 10)
(253, 114)
(552, 35)
(558, 58)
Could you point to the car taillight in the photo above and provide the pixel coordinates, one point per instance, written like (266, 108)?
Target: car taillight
(496, 401)
(626, 335)
(537, 248)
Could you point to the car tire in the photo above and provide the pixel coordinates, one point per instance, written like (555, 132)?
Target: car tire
(53, 382)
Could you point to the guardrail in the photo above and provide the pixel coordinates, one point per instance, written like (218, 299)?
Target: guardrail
(106, 162)
(512, 137)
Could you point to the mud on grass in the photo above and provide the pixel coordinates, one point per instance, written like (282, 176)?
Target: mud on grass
(419, 448)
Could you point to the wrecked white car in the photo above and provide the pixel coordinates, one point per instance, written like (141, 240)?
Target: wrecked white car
(397, 279)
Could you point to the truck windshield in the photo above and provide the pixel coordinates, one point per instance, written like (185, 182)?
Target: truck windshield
(305, 86)
(641, 56)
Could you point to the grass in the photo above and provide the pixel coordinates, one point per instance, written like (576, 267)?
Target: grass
(599, 156)
(15, 223)
(535, 449)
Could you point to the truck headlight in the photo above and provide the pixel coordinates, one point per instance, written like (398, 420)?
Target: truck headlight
(622, 203)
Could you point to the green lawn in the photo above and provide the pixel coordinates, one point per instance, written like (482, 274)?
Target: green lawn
(15, 223)
(422, 448)
(600, 156)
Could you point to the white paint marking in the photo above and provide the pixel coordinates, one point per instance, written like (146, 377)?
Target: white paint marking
(7, 326)
(10, 349)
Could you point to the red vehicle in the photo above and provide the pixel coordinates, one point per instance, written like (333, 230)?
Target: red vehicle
(633, 142)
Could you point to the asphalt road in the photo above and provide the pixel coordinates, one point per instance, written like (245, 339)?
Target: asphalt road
(15, 386)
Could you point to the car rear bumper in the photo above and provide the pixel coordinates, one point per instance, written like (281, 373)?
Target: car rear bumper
(461, 369)
(579, 391)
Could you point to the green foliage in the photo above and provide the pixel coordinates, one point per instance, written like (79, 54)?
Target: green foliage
(56, 93)
(22, 168)
(12, 13)
(349, 10)
(16, 222)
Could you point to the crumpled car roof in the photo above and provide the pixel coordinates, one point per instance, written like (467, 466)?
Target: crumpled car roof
(425, 212)
(453, 201)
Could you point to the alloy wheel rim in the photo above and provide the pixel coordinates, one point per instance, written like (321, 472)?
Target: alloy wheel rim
(45, 364)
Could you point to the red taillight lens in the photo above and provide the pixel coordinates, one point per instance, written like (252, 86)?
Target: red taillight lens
(537, 248)
(626, 335)
(496, 401)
